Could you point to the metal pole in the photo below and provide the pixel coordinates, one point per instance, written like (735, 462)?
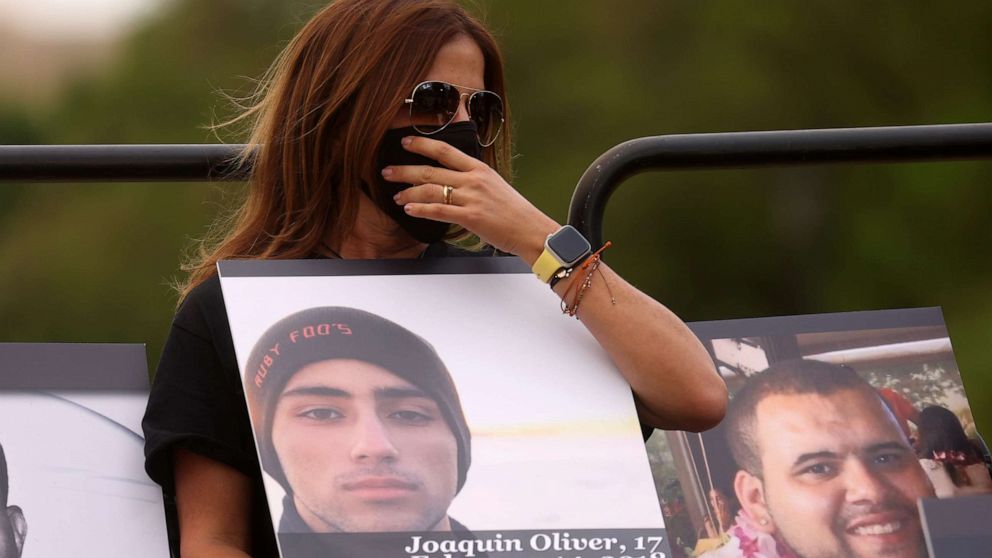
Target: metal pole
(120, 163)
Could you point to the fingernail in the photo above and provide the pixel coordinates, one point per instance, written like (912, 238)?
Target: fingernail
(396, 198)
(387, 171)
(408, 208)
(407, 140)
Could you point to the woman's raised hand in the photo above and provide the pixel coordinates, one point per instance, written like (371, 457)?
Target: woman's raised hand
(480, 200)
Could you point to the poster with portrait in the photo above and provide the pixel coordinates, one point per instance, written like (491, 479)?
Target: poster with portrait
(839, 426)
(72, 478)
(436, 408)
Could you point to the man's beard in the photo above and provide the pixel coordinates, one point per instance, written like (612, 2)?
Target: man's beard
(341, 523)
(904, 514)
(335, 519)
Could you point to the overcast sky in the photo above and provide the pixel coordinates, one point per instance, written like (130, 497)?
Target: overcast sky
(74, 19)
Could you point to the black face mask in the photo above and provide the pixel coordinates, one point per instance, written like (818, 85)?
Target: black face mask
(460, 135)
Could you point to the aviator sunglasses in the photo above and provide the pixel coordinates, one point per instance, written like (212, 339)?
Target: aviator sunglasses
(434, 104)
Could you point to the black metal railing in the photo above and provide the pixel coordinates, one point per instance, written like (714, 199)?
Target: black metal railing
(212, 162)
(899, 144)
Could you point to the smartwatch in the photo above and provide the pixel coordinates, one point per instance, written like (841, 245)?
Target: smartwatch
(562, 250)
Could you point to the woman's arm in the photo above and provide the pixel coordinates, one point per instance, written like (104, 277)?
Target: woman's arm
(213, 502)
(673, 378)
(674, 381)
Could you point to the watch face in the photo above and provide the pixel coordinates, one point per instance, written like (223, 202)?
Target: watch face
(569, 245)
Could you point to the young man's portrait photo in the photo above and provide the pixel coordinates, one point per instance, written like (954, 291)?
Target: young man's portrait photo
(359, 421)
(383, 403)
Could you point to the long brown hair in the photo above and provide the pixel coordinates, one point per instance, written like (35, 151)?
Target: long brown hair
(318, 117)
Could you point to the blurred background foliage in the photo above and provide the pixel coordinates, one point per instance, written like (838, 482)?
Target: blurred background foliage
(93, 262)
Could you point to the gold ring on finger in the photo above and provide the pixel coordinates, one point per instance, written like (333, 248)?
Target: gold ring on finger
(447, 194)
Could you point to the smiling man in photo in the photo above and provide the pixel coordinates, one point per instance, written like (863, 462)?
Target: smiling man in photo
(358, 419)
(825, 470)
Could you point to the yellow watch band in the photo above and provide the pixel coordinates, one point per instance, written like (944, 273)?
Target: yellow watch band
(546, 266)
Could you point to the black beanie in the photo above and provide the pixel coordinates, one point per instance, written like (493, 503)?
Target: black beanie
(338, 332)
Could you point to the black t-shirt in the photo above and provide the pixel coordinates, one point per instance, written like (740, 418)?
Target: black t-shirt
(197, 400)
(197, 403)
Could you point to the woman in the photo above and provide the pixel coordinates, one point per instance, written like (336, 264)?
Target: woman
(369, 98)
(953, 462)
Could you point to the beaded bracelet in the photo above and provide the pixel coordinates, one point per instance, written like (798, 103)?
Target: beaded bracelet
(583, 287)
(592, 263)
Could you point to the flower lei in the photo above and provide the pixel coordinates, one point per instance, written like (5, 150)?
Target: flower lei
(953, 457)
(752, 542)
